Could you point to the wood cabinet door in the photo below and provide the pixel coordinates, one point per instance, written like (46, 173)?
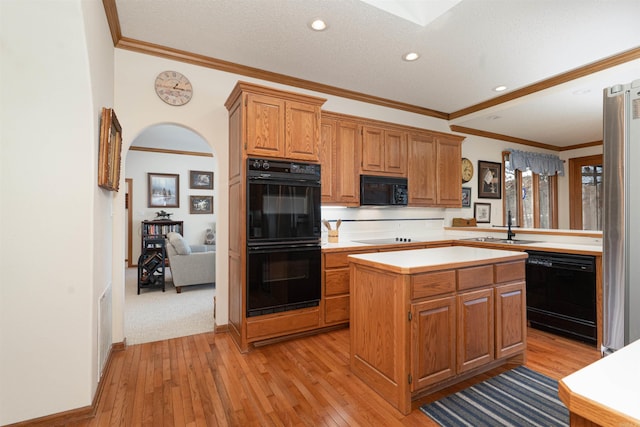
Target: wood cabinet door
(395, 152)
(265, 126)
(346, 174)
(421, 170)
(326, 156)
(511, 319)
(433, 341)
(372, 149)
(475, 343)
(449, 155)
(302, 131)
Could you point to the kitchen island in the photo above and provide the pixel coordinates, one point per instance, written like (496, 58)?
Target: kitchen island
(425, 319)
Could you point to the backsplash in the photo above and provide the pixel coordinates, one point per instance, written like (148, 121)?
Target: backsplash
(404, 222)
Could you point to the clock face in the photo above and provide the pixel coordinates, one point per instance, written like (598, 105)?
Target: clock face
(173, 88)
(467, 170)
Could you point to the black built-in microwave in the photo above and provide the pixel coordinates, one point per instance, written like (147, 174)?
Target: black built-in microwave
(383, 191)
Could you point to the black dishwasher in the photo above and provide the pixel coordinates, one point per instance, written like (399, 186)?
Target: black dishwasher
(561, 294)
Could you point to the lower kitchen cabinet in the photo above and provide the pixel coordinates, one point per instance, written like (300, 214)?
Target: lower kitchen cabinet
(433, 338)
(335, 279)
(475, 329)
(335, 287)
(511, 326)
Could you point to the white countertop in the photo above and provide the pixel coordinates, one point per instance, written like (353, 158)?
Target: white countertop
(559, 246)
(613, 381)
(408, 261)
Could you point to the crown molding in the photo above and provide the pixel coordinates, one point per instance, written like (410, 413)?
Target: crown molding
(230, 67)
(501, 137)
(168, 151)
(603, 64)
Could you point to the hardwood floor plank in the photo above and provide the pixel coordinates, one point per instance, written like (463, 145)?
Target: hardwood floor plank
(182, 381)
(203, 380)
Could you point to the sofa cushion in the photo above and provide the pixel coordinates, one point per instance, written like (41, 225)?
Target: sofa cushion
(179, 244)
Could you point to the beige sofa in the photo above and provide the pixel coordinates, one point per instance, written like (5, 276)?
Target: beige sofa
(190, 264)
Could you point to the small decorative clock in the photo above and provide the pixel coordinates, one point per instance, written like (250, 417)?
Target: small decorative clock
(174, 88)
(467, 170)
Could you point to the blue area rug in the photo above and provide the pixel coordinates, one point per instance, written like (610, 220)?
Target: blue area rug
(519, 397)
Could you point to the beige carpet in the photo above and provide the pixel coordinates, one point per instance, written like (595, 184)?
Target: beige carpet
(155, 315)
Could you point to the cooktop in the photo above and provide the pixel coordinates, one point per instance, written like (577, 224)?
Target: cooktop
(386, 241)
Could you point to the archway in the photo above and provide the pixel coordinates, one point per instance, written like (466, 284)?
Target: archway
(176, 151)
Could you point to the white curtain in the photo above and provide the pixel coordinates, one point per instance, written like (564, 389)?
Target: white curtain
(543, 164)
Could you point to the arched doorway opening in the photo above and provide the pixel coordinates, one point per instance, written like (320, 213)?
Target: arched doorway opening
(178, 152)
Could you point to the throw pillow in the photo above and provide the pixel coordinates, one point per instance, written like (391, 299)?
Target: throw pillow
(178, 242)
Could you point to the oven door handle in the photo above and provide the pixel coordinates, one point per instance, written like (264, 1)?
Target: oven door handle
(291, 248)
(315, 182)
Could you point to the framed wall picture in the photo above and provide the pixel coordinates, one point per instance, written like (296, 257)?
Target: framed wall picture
(466, 197)
(201, 204)
(482, 212)
(201, 180)
(489, 180)
(109, 154)
(164, 190)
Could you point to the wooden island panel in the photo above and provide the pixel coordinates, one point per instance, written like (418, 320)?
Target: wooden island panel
(433, 340)
(377, 352)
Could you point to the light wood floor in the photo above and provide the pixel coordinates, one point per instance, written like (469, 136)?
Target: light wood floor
(202, 380)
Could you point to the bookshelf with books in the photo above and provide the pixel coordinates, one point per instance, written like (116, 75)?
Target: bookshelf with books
(159, 229)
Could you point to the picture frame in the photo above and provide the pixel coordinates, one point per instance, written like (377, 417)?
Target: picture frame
(482, 212)
(109, 154)
(466, 197)
(201, 180)
(163, 190)
(200, 204)
(489, 180)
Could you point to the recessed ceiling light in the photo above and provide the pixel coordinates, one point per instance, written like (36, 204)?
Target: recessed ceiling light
(411, 56)
(499, 88)
(318, 25)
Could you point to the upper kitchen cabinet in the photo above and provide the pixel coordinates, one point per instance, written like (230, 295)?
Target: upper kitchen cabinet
(278, 123)
(384, 151)
(421, 173)
(434, 164)
(448, 167)
(339, 144)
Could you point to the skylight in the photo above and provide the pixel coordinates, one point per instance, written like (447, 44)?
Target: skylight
(419, 12)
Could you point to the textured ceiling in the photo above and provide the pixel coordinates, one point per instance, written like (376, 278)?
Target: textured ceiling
(467, 51)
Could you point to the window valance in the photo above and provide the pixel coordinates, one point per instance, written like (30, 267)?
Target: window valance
(543, 164)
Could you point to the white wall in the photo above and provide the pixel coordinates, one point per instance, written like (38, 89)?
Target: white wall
(55, 251)
(139, 163)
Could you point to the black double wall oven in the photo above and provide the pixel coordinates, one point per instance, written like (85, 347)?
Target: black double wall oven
(283, 236)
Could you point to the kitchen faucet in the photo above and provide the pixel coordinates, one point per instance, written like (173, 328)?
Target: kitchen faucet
(510, 234)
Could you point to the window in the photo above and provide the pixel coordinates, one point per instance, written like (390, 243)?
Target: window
(585, 193)
(530, 197)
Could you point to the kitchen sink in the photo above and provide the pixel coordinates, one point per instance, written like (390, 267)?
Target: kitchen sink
(499, 240)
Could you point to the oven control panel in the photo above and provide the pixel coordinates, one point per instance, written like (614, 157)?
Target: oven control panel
(282, 166)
